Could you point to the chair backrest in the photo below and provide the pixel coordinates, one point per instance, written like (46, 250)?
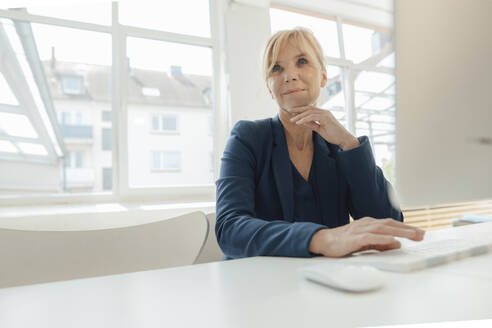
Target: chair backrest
(211, 251)
(28, 257)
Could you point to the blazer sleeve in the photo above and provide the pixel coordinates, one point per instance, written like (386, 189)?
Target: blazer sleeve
(239, 232)
(370, 194)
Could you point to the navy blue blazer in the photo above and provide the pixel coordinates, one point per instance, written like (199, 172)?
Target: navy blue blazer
(254, 206)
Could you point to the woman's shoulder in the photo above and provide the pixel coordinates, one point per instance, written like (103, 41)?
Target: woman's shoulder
(256, 131)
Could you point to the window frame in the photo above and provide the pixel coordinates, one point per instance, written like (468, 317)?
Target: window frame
(122, 191)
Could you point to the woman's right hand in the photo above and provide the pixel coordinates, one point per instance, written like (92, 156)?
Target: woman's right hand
(363, 234)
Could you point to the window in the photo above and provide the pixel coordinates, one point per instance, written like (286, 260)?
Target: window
(166, 160)
(107, 174)
(65, 118)
(74, 160)
(107, 139)
(72, 85)
(78, 160)
(151, 92)
(164, 123)
(176, 119)
(60, 79)
(60, 66)
(71, 118)
(361, 83)
(106, 116)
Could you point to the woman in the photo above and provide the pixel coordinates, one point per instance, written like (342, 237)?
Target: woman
(288, 184)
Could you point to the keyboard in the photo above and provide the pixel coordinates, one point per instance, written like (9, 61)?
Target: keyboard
(425, 254)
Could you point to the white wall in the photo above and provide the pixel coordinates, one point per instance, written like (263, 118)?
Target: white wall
(444, 102)
(248, 30)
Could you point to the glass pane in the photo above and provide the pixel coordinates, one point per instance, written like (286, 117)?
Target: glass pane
(6, 95)
(156, 160)
(63, 76)
(379, 103)
(17, 125)
(97, 12)
(7, 147)
(323, 29)
(169, 123)
(181, 73)
(375, 116)
(79, 159)
(332, 96)
(107, 174)
(106, 116)
(388, 61)
(374, 82)
(155, 122)
(185, 16)
(32, 149)
(107, 139)
(364, 44)
(171, 161)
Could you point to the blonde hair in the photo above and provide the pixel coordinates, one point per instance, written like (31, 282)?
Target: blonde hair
(301, 36)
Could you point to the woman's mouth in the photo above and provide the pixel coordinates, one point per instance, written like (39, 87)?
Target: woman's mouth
(292, 91)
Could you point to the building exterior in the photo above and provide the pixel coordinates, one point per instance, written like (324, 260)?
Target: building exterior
(170, 130)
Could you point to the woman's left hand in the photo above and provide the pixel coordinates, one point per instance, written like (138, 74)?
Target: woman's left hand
(325, 124)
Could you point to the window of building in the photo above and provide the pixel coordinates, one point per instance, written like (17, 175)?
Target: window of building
(151, 92)
(361, 82)
(74, 160)
(106, 116)
(107, 139)
(164, 123)
(166, 160)
(72, 84)
(71, 118)
(107, 174)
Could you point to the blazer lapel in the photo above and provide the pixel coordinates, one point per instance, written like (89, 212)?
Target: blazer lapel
(326, 181)
(282, 170)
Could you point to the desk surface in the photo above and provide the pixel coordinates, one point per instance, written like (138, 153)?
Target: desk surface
(254, 292)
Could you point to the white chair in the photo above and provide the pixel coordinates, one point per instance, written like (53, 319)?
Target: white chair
(28, 257)
(211, 251)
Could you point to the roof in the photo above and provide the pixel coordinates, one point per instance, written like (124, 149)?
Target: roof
(181, 90)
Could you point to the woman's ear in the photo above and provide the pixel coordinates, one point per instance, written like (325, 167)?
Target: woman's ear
(270, 90)
(324, 78)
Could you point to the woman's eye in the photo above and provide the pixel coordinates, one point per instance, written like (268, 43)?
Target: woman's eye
(276, 68)
(302, 61)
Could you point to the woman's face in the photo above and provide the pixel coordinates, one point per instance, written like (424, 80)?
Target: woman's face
(296, 78)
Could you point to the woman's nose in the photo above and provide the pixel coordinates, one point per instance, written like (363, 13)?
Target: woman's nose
(290, 74)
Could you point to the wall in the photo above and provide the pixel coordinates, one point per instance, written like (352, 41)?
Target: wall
(248, 30)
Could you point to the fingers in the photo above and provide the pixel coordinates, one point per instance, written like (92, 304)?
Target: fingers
(370, 241)
(310, 117)
(302, 115)
(312, 125)
(381, 248)
(412, 234)
(392, 227)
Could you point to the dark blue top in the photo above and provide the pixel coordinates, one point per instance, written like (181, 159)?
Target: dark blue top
(306, 198)
(258, 210)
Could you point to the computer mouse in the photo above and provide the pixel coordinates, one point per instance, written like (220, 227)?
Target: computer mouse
(345, 277)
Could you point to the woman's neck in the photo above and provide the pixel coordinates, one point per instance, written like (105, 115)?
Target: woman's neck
(296, 135)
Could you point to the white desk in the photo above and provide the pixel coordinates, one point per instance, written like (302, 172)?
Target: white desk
(254, 292)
